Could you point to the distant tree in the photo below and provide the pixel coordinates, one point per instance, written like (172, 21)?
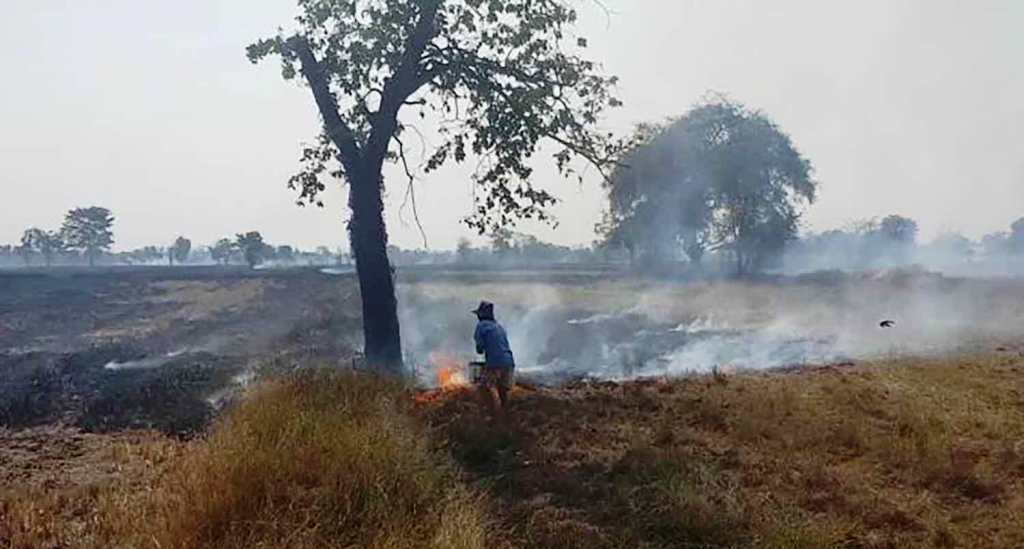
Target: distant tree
(222, 251)
(253, 249)
(498, 74)
(341, 257)
(995, 244)
(323, 255)
(653, 198)
(862, 227)
(48, 244)
(147, 255)
(25, 253)
(89, 231)
(532, 249)
(26, 250)
(501, 241)
(618, 230)
(179, 250)
(758, 180)
(463, 250)
(1015, 240)
(953, 244)
(285, 254)
(898, 229)
(721, 177)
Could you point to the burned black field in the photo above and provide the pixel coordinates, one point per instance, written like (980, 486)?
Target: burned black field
(156, 348)
(166, 348)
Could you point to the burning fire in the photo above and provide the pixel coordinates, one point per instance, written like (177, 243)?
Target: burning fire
(451, 374)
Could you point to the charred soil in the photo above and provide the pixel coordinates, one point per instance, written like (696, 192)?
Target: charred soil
(157, 348)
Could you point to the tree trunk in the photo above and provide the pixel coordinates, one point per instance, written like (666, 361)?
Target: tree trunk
(368, 235)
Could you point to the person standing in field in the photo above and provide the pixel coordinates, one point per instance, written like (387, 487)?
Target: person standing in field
(499, 363)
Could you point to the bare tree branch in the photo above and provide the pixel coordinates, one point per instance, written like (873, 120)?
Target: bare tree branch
(410, 192)
(336, 128)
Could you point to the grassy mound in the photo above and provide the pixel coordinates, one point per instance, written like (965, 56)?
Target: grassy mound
(317, 461)
(320, 460)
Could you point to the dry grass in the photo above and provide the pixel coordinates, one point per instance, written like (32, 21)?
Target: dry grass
(67, 489)
(906, 453)
(314, 461)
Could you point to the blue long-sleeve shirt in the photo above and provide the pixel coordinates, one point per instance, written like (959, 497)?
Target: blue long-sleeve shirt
(492, 342)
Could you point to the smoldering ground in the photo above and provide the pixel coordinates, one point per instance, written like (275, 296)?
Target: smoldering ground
(153, 349)
(563, 328)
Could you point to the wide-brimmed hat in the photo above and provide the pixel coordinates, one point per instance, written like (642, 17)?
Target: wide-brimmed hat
(486, 308)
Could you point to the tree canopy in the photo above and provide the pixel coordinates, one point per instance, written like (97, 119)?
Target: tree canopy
(1015, 240)
(89, 230)
(222, 251)
(898, 229)
(180, 250)
(722, 177)
(252, 247)
(48, 244)
(496, 77)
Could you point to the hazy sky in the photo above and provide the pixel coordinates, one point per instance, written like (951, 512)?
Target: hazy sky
(151, 109)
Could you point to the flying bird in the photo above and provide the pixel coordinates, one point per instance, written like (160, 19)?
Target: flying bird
(887, 323)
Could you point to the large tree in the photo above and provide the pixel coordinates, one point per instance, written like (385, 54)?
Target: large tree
(721, 177)
(657, 203)
(89, 230)
(497, 78)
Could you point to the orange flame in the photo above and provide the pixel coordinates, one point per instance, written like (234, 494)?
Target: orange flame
(450, 373)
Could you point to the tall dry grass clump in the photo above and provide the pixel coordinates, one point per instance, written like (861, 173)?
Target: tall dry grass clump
(319, 460)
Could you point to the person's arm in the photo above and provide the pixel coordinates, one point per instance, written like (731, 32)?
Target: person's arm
(478, 337)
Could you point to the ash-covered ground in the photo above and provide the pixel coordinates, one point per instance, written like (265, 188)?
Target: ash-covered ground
(108, 350)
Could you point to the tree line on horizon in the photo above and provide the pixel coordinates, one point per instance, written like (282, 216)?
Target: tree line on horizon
(87, 236)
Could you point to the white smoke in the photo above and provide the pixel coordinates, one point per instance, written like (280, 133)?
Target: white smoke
(144, 363)
(624, 329)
